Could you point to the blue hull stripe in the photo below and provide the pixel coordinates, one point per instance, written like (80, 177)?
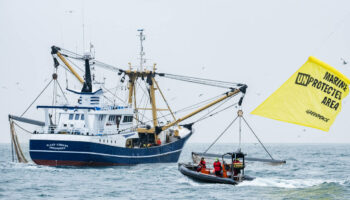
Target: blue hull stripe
(101, 154)
(90, 152)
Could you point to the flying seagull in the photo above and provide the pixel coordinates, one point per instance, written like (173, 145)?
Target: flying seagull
(344, 61)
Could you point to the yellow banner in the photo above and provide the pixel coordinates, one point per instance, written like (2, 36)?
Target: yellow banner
(311, 97)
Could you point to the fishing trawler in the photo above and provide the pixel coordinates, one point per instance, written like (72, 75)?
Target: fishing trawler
(98, 132)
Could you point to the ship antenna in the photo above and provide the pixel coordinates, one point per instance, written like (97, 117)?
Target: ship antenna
(83, 23)
(142, 53)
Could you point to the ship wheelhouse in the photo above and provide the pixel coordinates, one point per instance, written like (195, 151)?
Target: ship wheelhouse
(89, 117)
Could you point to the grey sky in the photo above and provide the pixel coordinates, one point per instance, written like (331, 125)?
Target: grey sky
(260, 43)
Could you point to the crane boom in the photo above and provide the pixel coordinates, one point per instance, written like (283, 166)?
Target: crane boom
(227, 95)
(55, 50)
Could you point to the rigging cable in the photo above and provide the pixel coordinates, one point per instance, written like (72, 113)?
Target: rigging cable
(116, 89)
(25, 130)
(77, 66)
(218, 106)
(203, 81)
(142, 97)
(64, 95)
(54, 98)
(145, 106)
(221, 134)
(257, 138)
(37, 97)
(197, 105)
(113, 94)
(163, 116)
(181, 110)
(217, 112)
(108, 99)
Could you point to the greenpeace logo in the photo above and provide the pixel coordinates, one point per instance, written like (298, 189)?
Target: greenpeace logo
(302, 79)
(319, 116)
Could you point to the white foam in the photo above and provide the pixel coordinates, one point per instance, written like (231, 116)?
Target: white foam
(188, 181)
(286, 183)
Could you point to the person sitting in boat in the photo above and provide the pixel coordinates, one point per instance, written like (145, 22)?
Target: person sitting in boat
(201, 165)
(217, 167)
(237, 165)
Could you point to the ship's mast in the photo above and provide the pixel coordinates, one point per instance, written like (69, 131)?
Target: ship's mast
(87, 86)
(142, 53)
(152, 86)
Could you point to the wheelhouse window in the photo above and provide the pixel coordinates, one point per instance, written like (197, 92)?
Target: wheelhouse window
(111, 118)
(114, 120)
(127, 119)
(71, 116)
(77, 116)
(82, 117)
(101, 117)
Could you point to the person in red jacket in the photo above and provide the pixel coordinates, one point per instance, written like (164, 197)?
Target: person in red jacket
(159, 142)
(217, 167)
(201, 165)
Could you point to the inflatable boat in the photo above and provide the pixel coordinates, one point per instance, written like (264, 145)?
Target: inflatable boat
(230, 173)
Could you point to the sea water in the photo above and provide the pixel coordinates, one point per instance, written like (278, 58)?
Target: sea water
(312, 171)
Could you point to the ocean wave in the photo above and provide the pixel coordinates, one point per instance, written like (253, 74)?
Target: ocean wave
(288, 183)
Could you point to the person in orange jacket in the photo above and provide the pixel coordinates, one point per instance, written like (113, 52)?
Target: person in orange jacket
(217, 167)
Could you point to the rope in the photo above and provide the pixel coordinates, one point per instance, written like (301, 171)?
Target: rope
(258, 138)
(108, 99)
(36, 98)
(218, 106)
(113, 94)
(203, 81)
(54, 99)
(20, 156)
(64, 95)
(143, 113)
(178, 111)
(221, 134)
(119, 85)
(77, 66)
(12, 148)
(196, 105)
(25, 130)
(217, 112)
(166, 102)
(143, 95)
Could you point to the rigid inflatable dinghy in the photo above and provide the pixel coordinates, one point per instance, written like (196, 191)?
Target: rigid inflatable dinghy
(232, 173)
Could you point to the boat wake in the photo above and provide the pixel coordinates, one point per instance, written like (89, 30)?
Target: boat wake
(188, 181)
(287, 183)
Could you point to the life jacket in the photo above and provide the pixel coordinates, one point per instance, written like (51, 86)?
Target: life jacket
(202, 163)
(217, 166)
(237, 164)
